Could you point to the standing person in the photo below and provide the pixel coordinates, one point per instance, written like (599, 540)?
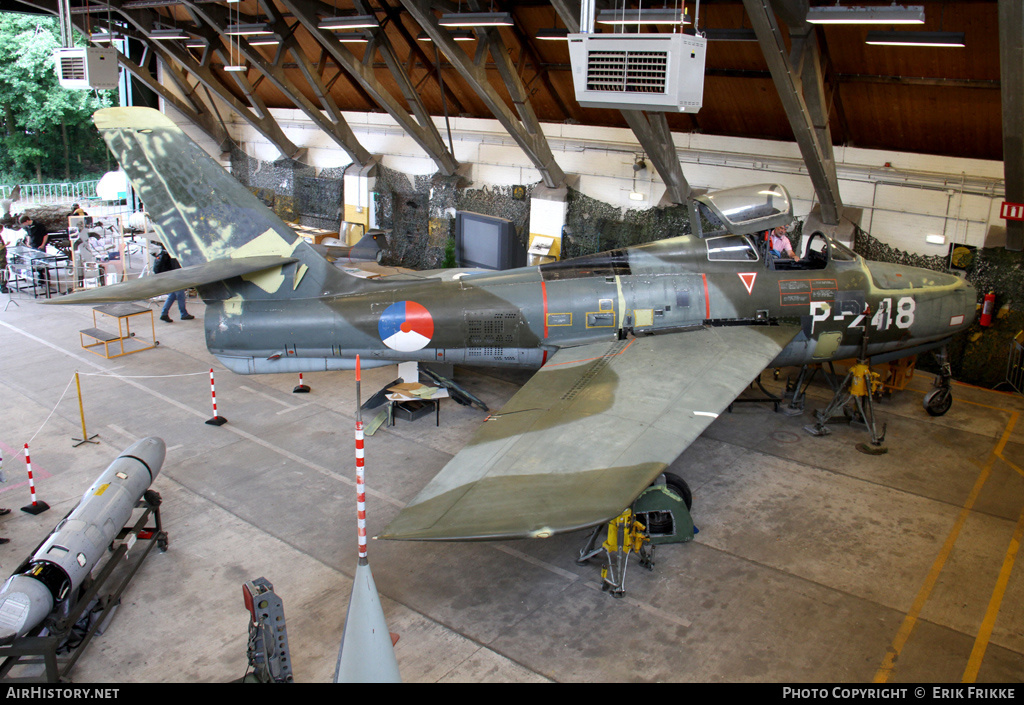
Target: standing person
(166, 263)
(36, 232)
(3, 266)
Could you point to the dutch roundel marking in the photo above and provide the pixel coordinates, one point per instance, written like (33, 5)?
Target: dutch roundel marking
(748, 280)
(406, 326)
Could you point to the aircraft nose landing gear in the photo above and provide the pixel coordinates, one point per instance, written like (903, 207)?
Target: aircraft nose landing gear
(938, 400)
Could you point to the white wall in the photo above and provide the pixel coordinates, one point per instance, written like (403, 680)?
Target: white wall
(898, 197)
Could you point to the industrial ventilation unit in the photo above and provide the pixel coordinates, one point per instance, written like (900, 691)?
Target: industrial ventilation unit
(659, 72)
(87, 67)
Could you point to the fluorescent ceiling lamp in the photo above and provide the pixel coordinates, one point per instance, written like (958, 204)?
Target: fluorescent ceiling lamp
(731, 35)
(236, 69)
(102, 37)
(264, 41)
(351, 37)
(247, 30)
(916, 39)
(350, 22)
(659, 15)
(168, 34)
(458, 35)
(196, 44)
(553, 34)
(879, 14)
(475, 19)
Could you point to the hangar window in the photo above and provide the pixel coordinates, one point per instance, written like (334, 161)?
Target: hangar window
(731, 248)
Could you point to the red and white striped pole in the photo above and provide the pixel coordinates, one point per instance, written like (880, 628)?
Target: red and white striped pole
(36, 507)
(360, 475)
(302, 388)
(216, 420)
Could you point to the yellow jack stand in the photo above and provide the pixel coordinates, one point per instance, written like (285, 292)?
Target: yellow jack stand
(625, 535)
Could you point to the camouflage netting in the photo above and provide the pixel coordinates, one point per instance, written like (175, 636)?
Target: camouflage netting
(293, 190)
(419, 211)
(595, 226)
(980, 354)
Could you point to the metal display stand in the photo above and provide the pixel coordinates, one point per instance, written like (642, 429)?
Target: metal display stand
(124, 338)
(41, 646)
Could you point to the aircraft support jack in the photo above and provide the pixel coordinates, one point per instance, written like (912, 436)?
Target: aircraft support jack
(938, 401)
(625, 535)
(797, 391)
(859, 386)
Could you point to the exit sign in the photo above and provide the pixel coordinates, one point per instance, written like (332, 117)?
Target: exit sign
(1012, 211)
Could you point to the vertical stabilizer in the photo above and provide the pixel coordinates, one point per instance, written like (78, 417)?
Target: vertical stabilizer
(202, 213)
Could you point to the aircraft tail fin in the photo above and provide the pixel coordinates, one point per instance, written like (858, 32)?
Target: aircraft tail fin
(203, 214)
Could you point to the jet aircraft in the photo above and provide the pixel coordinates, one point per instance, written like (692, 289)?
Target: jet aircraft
(638, 349)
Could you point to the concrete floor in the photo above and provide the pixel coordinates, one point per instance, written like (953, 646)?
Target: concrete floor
(814, 562)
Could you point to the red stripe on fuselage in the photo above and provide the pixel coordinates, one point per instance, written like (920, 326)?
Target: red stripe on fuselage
(707, 299)
(544, 295)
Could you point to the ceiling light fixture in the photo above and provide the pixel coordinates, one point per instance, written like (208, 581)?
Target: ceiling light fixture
(476, 19)
(659, 15)
(351, 37)
(458, 35)
(916, 39)
(236, 69)
(731, 35)
(170, 33)
(879, 14)
(348, 23)
(553, 34)
(247, 30)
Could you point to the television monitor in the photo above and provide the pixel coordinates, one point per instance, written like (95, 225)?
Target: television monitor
(487, 242)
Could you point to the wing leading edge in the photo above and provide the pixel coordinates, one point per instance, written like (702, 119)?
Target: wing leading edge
(593, 428)
(174, 280)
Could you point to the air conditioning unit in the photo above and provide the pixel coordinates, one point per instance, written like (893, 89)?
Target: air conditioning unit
(658, 72)
(87, 67)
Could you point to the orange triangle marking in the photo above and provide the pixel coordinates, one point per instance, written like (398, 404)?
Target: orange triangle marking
(748, 280)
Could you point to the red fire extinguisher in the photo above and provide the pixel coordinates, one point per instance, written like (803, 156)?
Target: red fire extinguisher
(987, 307)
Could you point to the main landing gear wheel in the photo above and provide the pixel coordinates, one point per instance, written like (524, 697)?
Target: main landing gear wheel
(679, 486)
(938, 401)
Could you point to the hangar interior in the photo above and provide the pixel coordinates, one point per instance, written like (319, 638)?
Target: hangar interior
(814, 561)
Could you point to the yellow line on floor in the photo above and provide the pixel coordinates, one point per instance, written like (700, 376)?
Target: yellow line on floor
(910, 621)
(996, 601)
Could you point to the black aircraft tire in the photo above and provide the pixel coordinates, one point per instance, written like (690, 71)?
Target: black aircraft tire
(938, 401)
(679, 486)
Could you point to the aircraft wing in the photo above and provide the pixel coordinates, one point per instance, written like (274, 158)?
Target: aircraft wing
(589, 432)
(174, 280)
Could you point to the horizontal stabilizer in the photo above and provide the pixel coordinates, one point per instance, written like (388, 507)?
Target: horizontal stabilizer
(174, 280)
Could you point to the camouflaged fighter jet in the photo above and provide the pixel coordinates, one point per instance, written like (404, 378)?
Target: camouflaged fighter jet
(638, 350)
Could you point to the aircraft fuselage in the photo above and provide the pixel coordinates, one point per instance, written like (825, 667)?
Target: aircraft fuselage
(517, 318)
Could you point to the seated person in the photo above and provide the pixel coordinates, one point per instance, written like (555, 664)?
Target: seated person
(35, 232)
(778, 243)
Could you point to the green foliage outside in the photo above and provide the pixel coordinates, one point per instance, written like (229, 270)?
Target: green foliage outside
(47, 131)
